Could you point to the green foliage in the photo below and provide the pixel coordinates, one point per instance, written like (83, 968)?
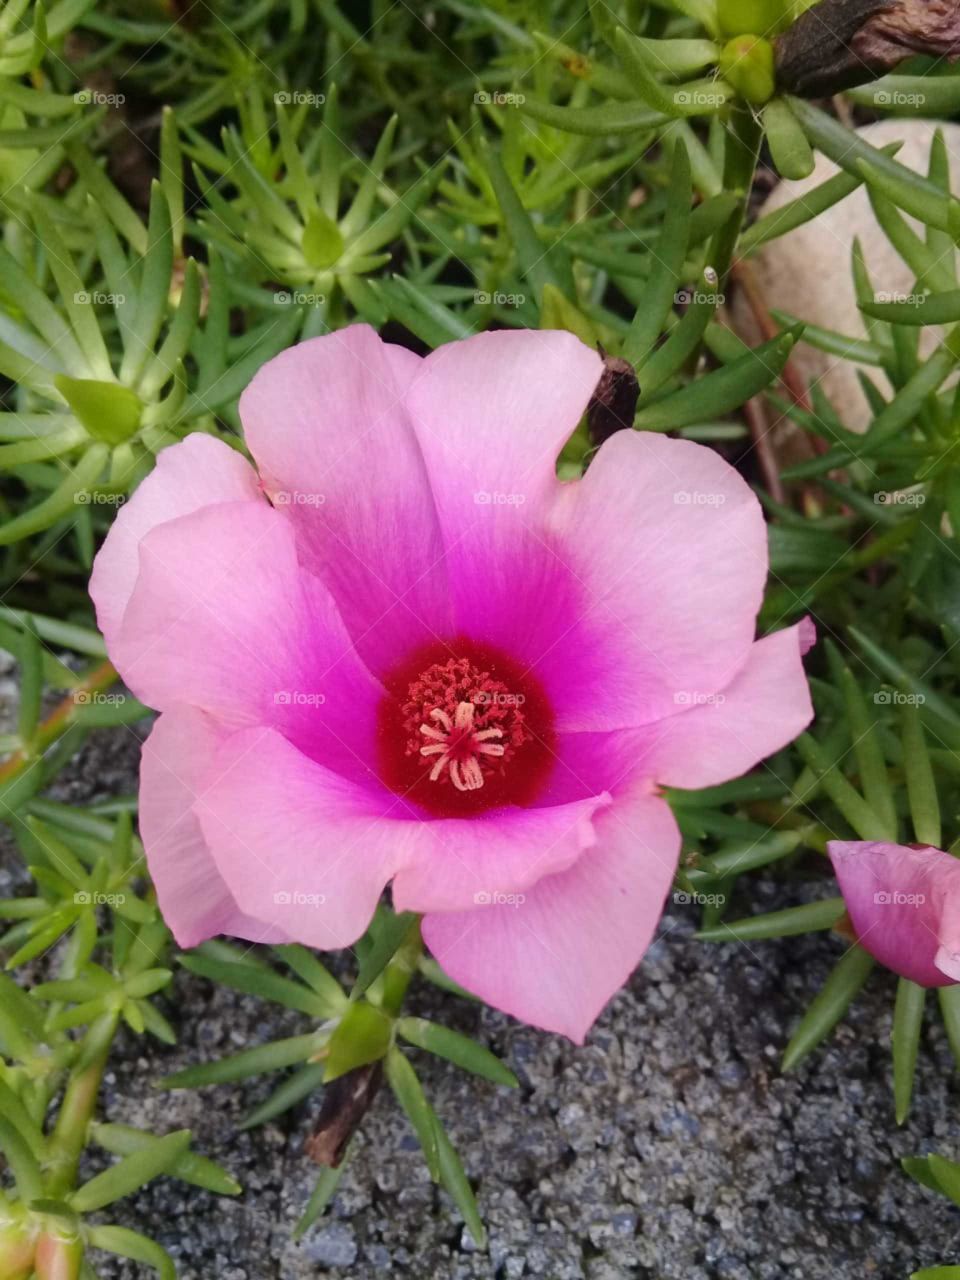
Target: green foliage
(184, 195)
(55, 1044)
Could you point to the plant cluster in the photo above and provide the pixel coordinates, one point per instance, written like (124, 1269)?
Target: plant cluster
(186, 190)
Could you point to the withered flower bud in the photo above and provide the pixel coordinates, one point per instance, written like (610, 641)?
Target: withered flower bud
(614, 403)
(841, 43)
(346, 1101)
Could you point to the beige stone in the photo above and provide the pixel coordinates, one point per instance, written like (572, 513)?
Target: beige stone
(808, 271)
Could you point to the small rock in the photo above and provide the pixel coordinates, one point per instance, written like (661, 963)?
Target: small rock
(332, 1246)
(807, 272)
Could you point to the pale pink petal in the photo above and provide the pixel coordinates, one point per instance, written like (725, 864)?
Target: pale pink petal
(300, 847)
(904, 905)
(223, 618)
(492, 413)
(726, 733)
(670, 547)
(459, 862)
(328, 427)
(555, 958)
(193, 897)
(198, 472)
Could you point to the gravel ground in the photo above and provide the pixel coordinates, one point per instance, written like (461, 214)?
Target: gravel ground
(668, 1148)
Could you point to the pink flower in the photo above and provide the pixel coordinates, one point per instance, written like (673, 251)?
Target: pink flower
(405, 652)
(904, 904)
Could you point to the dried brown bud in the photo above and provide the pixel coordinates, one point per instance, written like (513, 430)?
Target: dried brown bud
(841, 43)
(614, 403)
(346, 1101)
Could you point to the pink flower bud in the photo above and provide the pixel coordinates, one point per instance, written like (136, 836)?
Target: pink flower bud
(904, 905)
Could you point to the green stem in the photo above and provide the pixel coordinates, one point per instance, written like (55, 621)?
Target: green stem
(744, 135)
(399, 972)
(69, 1136)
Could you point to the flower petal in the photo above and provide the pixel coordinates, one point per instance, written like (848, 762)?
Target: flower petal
(555, 958)
(904, 905)
(458, 863)
(670, 546)
(198, 472)
(765, 706)
(300, 847)
(327, 424)
(223, 618)
(492, 414)
(193, 897)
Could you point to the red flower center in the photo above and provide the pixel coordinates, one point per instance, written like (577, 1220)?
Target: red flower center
(463, 729)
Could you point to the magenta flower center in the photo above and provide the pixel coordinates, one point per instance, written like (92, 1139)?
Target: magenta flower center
(463, 729)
